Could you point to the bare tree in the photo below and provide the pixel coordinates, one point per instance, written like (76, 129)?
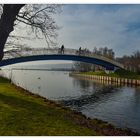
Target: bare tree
(37, 17)
(131, 62)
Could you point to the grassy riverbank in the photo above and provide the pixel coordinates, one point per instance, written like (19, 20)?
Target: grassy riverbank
(118, 74)
(24, 113)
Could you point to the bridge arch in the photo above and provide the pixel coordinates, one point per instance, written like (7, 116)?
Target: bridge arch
(109, 65)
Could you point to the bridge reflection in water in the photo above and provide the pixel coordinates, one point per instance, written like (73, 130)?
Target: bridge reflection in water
(20, 55)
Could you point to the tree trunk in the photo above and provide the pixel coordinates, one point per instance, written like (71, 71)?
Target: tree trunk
(10, 11)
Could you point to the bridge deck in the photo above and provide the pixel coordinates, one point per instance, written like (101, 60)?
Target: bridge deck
(26, 52)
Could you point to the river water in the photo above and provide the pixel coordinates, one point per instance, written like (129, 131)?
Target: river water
(119, 105)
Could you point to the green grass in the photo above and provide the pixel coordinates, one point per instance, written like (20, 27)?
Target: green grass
(118, 73)
(25, 114)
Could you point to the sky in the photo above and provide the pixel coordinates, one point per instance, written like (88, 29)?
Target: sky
(96, 25)
(116, 26)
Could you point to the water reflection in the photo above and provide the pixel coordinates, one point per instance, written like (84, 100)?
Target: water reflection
(98, 92)
(82, 83)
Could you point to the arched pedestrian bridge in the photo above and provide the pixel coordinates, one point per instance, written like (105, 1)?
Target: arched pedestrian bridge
(20, 55)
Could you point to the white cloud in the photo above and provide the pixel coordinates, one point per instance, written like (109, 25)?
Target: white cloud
(115, 26)
(99, 25)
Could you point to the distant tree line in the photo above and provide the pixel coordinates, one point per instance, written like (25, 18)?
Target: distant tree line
(131, 62)
(84, 67)
(105, 51)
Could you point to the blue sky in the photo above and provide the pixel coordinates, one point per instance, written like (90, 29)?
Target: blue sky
(115, 26)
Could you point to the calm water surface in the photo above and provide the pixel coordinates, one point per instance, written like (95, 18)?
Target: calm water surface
(119, 105)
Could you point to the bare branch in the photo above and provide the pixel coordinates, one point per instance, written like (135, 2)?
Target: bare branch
(27, 23)
(39, 19)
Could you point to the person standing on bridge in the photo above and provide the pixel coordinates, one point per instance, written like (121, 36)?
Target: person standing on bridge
(62, 49)
(80, 50)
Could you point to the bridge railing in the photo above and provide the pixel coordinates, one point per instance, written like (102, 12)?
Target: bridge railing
(34, 51)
